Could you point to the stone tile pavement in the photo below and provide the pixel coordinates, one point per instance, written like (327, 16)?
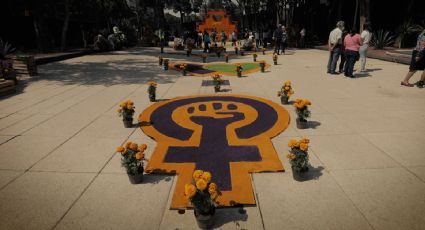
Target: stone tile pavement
(58, 169)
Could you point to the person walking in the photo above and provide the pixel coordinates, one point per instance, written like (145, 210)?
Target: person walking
(417, 62)
(234, 38)
(366, 36)
(257, 39)
(283, 41)
(342, 62)
(302, 38)
(207, 41)
(352, 43)
(334, 45)
(277, 38)
(223, 38)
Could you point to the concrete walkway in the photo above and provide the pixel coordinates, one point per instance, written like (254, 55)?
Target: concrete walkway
(58, 169)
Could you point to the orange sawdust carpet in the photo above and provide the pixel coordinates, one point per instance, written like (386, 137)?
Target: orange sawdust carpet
(210, 69)
(228, 135)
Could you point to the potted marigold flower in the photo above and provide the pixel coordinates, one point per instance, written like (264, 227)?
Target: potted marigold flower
(301, 107)
(165, 62)
(285, 92)
(217, 82)
(184, 68)
(204, 58)
(275, 58)
(262, 65)
(152, 91)
(160, 60)
(298, 158)
(239, 69)
(226, 56)
(254, 56)
(126, 110)
(202, 194)
(132, 157)
(236, 50)
(264, 51)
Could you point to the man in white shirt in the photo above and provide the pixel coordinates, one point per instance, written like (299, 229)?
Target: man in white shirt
(334, 44)
(366, 37)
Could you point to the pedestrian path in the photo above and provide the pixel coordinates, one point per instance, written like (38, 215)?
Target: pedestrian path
(59, 169)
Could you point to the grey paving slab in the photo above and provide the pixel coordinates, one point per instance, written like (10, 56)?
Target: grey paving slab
(406, 148)
(12, 119)
(38, 200)
(111, 202)
(324, 124)
(5, 138)
(6, 176)
(24, 124)
(22, 152)
(418, 171)
(108, 127)
(349, 152)
(312, 204)
(389, 198)
(80, 154)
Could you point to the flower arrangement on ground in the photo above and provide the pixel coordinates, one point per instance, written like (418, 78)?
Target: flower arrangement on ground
(298, 155)
(218, 81)
(204, 57)
(301, 107)
(202, 194)
(285, 92)
(152, 90)
(239, 69)
(126, 110)
(184, 68)
(262, 65)
(254, 56)
(275, 58)
(132, 157)
(165, 62)
(226, 56)
(160, 60)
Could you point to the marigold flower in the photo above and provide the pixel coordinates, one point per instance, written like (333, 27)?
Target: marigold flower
(212, 188)
(201, 184)
(123, 104)
(206, 176)
(303, 146)
(287, 88)
(140, 155)
(133, 146)
(305, 140)
(127, 145)
(197, 174)
(119, 110)
(120, 149)
(143, 147)
(189, 190)
(292, 143)
(214, 195)
(290, 156)
(129, 106)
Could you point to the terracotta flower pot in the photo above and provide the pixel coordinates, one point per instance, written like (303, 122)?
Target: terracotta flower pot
(300, 176)
(138, 178)
(284, 99)
(128, 123)
(205, 221)
(302, 124)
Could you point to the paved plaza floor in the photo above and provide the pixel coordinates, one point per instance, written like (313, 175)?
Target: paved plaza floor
(58, 135)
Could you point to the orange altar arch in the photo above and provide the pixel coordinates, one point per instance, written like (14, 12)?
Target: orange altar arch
(219, 21)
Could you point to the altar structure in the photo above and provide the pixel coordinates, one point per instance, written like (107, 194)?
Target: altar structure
(217, 20)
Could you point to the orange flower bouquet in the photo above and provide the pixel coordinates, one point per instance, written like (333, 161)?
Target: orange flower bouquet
(285, 92)
(126, 110)
(239, 69)
(275, 58)
(132, 159)
(152, 90)
(298, 155)
(217, 80)
(202, 194)
(301, 107)
(254, 57)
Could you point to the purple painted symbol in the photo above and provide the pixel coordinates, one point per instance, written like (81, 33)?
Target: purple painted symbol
(214, 153)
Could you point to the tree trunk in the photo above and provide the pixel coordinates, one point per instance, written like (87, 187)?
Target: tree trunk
(355, 15)
(364, 12)
(65, 25)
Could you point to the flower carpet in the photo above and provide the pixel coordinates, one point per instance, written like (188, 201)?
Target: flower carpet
(228, 135)
(209, 69)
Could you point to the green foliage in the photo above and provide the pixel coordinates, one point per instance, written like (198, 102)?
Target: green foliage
(381, 39)
(202, 202)
(300, 162)
(406, 28)
(5, 48)
(303, 113)
(130, 162)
